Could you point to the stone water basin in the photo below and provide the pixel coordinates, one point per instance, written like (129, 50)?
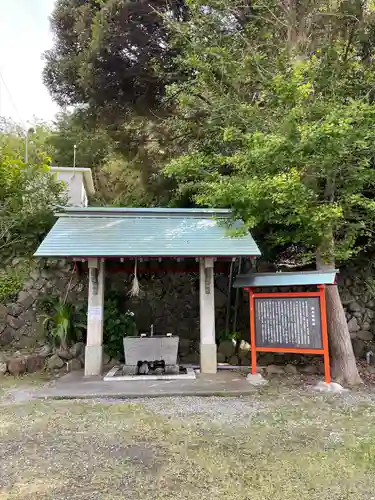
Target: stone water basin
(155, 348)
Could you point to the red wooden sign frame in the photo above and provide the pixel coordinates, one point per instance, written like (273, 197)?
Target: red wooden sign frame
(323, 312)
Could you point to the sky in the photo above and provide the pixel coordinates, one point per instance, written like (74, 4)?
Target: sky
(24, 36)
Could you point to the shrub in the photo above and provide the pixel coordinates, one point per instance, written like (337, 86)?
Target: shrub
(117, 325)
(12, 280)
(10, 285)
(64, 322)
(223, 335)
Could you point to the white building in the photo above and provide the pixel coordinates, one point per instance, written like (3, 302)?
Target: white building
(79, 183)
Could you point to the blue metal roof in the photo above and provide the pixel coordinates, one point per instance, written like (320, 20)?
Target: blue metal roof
(108, 232)
(253, 280)
(154, 211)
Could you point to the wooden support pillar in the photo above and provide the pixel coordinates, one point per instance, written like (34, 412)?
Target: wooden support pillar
(208, 354)
(95, 318)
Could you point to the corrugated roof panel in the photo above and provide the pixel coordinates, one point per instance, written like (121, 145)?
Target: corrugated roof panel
(253, 280)
(84, 236)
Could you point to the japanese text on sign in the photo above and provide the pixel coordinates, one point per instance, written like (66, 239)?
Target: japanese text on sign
(288, 322)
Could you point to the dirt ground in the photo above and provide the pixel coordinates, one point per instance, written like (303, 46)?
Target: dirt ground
(282, 443)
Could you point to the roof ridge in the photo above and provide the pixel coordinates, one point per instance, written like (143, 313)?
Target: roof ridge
(141, 212)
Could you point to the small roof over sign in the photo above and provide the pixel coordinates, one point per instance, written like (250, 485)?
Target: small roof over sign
(253, 280)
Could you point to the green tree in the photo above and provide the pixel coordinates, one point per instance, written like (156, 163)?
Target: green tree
(112, 59)
(277, 120)
(125, 161)
(112, 55)
(13, 138)
(74, 129)
(28, 195)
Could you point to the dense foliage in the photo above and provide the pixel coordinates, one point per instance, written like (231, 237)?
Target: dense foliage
(113, 59)
(278, 124)
(113, 55)
(125, 163)
(13, 140)
(117, 325)
(65, 323)
(11, 282)
(28, 195)
(281, 130)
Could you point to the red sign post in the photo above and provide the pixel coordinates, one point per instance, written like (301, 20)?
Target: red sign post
(322, 332)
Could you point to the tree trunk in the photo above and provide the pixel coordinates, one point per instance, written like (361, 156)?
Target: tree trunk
(343, 362)
(290, 7)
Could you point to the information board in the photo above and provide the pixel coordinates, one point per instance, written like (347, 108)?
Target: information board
(288, 322)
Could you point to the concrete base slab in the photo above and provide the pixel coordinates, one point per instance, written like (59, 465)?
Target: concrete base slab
(256, 379)
(93, 360)
(75, 386)
(112, 377)
(333, 387)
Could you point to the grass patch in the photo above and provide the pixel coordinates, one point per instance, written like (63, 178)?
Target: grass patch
(296, 445)
(34, 379)
(29, 381)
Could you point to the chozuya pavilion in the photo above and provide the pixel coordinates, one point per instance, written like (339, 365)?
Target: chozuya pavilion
(98, 235)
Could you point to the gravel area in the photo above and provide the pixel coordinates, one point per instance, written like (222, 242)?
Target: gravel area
(281, 443)
(216, 409)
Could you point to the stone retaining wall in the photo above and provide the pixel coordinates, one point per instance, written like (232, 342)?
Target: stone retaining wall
(21, 324)
(20, 362)
(359, 306)
(169, 301)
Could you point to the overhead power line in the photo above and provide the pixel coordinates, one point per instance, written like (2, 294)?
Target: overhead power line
(2, 79)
